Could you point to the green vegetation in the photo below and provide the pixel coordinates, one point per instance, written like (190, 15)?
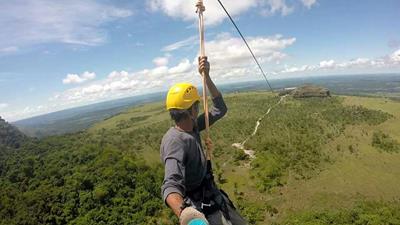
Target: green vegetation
(111, 173)
(239, 155)
(293, 137)
(355, 115)
(64, 123)
(10, 136)
(364, 213)
(385, 142)
(73, 180)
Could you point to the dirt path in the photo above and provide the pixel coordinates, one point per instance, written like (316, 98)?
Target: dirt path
(241, 145)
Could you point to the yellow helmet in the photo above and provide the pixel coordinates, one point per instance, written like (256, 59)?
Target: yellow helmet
(182, 96)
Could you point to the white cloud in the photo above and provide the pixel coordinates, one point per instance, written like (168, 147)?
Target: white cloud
(158, 71)
(10, 49)
(3, 106)
(298, 69)
(229, 58)
(76, 79)
(308, 3)
(184, 9)
(395, 57)
(275, 6)
(183, 67)
(327, 64)
(227, 50)
(30, 22)
(123, 83)
(230, 61)
(356, 63)
(389, 61)
(28, 111)
(161, 61)
(180, 44)
(123, 76)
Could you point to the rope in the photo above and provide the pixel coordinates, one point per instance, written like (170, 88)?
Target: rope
(248, 46)
(200, 10)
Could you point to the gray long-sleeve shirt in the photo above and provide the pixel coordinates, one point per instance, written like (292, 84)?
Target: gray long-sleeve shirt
(183, 156)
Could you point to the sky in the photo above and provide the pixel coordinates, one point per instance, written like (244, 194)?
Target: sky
(61, 54)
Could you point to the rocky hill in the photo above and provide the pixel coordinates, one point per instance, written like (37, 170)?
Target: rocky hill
(306, 91)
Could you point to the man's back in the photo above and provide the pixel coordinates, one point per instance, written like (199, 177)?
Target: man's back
(184, 160)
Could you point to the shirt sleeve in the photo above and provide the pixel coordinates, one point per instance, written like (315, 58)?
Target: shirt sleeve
(218, 110)
(173, 156)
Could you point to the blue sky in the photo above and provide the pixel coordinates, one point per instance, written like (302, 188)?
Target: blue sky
(61, 54)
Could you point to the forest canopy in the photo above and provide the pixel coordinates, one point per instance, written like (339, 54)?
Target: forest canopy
(111, 173)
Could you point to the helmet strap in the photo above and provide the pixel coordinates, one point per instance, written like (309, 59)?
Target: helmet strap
(194, 120)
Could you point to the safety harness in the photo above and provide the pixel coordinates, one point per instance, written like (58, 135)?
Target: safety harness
(207, 198)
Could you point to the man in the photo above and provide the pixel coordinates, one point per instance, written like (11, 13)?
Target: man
(188, 186)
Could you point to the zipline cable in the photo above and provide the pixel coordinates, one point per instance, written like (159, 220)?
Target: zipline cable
(248, 46)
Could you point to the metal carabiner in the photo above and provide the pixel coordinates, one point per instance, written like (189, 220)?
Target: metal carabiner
(202, 205)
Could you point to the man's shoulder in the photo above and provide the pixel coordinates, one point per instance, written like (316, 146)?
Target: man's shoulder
(176, 136)
(171, 134)
(174, 144)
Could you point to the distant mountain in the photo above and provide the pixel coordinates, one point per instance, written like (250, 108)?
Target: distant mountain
(80, 118)
(10, 136)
